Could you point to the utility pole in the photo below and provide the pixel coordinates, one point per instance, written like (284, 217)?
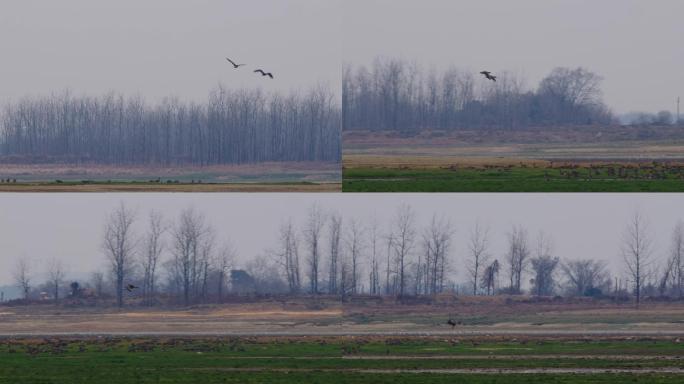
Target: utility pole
(678, 120)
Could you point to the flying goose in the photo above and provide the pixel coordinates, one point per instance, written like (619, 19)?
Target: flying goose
(236, 66)
(488, 75)
(269, 74)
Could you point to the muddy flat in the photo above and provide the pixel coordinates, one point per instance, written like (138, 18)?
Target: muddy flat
(261, 177)
(180, 187)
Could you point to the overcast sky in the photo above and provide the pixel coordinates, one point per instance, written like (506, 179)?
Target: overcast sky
(636, 45)
(166, 47)
(70, 226)
(177, 47)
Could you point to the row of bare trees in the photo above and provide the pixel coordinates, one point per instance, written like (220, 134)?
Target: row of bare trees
(232, 127)
(398, 258)
(397, 95)
(187, 249)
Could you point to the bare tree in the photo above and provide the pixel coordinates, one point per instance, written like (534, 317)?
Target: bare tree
(153, 248)
(490, 277)
(267, 278)
(119, 246)
(335, 234)
(225, 260)
(436, 240)
(374, 238)
(544, 266)
(97, 280)
(345, 283)
(636, 252)
(576, 86)
(477, 248)
(677, 258)
(517, 257)
(355, 246)
(585, 275)
(55, 276)
(205, 264)
(404, 236)
(665, 276)
(389, 288)
(313, 237)
(22, 276)
(187, 264)
(288, 256)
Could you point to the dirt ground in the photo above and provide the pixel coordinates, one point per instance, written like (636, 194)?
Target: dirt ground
(292, 317)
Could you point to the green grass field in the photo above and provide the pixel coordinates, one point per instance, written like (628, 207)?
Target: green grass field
(336, 360)
(513, 179)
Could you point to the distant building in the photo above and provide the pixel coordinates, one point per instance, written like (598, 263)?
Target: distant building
(241, 282)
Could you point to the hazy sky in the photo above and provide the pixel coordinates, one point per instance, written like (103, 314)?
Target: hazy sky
(636, 45)
(166, 47)
(177, 47)
(70, 226)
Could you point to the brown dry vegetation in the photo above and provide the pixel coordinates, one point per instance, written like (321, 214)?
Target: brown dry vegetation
(433, 149)
(356, 139)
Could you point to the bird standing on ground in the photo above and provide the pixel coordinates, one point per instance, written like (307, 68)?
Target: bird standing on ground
(488, 75)
(236, 66)
(269, 74)
(130, 287)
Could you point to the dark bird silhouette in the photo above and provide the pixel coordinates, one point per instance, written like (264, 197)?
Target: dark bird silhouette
(452, 323)
(131, 287)
(488, 75)
(236, 66)
(269, 74)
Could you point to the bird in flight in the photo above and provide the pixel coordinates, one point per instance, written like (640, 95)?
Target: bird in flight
(269, 74)
(236, 66)
(131, 287)
(488, 75)
(451, 322)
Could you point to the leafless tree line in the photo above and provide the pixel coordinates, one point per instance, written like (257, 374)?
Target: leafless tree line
(183, 261)
(232, 127)
(397, 95)
(186, 252)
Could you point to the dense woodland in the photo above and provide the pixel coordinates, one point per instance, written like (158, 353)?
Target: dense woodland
(184, 260)
(398, 95)
(232, 127)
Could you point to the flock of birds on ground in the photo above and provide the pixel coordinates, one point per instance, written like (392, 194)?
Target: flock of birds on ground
(261, 71)
(59, 346)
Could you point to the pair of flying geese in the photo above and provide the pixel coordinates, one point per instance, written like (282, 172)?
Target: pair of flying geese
(236, 66)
